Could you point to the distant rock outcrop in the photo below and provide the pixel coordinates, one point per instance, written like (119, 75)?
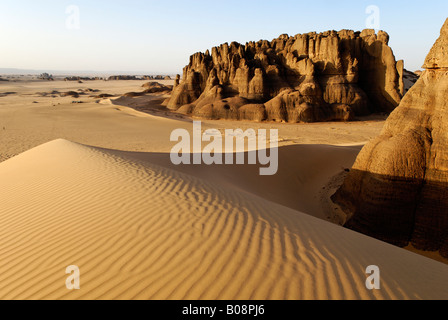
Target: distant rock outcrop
(127, 77)
(111, 78)
(154, 87)
(76, 78)
(157, 77)
(150, 87)
(409, 79)
(398, 188)
(46, 76)
(305, 78)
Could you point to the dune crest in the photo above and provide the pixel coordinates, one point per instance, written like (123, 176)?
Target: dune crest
(141, 231)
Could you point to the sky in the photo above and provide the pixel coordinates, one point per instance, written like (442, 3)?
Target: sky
(158, 36)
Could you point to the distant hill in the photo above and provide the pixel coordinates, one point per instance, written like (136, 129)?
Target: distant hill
(16, 71)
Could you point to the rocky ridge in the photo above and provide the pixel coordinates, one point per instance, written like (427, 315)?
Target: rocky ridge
(305, 78)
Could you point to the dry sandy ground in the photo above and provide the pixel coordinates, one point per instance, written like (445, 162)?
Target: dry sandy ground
(24, 124)
(97, 190)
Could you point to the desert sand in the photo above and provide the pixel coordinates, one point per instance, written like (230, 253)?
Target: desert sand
(90, 184)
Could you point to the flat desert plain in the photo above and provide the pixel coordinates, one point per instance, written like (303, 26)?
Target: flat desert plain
(91, 184)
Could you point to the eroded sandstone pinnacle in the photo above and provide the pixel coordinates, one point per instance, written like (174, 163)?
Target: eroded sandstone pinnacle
(306, 78)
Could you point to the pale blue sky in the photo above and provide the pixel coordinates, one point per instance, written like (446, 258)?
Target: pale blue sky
(158, 36)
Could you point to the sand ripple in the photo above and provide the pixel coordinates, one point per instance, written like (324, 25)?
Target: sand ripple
(140, 231)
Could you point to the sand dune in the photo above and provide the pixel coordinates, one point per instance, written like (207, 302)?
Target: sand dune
(111, 124)
(291, 186)
(140, 230)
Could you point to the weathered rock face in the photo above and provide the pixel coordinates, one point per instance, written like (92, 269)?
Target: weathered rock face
(306, 78)
(398, 188)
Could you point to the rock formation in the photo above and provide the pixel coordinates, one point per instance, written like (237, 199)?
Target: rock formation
(409, 79)
(76, 78)
(46, 76)
(154, 87)
(146, 77)
(305, 78)
(122, 77)
(159, 77)
(150, 87)
(397, 190)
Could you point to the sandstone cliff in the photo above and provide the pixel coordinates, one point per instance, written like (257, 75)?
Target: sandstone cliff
(305, 78)
(397, 190)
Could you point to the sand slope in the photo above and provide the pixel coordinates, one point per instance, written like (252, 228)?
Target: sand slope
(28, 119)
(303, 173)
(141, 231)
